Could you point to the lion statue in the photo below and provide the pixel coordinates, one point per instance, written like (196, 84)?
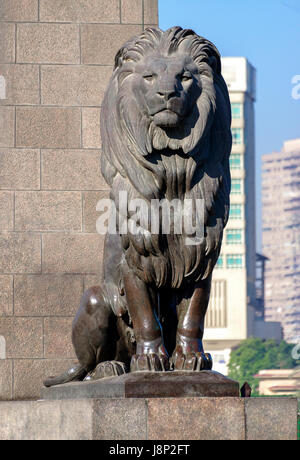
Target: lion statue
(165, 127)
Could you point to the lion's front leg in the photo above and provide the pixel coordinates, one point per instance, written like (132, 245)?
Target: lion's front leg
(191, 310)
(151, 354)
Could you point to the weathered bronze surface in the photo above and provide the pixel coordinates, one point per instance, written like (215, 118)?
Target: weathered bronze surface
(165, 127)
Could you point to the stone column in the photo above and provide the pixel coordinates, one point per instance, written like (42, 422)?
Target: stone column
(56, 58)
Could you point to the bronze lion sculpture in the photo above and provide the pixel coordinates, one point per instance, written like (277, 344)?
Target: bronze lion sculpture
(165, 127)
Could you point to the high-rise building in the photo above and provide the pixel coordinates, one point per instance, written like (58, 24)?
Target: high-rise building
(233, 311)
(281, 237)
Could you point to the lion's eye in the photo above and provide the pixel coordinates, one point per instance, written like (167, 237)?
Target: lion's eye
(148, 77)
(186, 77)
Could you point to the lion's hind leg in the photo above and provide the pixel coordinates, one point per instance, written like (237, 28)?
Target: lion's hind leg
(107, 369)
(94, 337)
(94, 332)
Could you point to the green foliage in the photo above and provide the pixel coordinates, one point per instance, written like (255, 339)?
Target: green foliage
(253, 355)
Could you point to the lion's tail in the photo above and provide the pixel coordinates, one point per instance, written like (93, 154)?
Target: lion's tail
(74, 374)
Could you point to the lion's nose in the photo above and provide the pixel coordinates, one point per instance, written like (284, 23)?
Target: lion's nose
(166, 93)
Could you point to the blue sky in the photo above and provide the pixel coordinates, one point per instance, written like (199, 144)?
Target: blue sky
(267, 32)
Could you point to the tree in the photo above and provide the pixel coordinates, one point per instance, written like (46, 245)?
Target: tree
(253, 355)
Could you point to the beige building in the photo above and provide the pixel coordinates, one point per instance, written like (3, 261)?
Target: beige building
(232, 314)
(281, 238)
(279, 382)
(55, 61)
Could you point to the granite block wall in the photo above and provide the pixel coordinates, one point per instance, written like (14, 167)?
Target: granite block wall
(56, 58)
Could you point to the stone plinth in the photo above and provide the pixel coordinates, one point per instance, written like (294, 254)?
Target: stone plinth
(168, 419)
(179, 384)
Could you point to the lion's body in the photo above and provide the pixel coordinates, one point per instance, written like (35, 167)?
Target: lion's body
(166, 260)
(165, 128)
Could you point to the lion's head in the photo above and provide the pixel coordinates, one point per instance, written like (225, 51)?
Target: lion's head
(166, 92)
(172, 80)
(165, 127)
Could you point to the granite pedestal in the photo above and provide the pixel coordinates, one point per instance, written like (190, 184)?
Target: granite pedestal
(157, 419)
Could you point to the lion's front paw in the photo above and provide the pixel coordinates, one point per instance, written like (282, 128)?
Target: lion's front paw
(191, 361)
(149, 363)
(107, 369)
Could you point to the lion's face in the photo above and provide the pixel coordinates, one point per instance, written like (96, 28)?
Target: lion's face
(173, 95)
(167, 87)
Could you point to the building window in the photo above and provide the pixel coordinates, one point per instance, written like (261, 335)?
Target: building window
(234, 261)
(237, 110)
(219, 359)
(220, 262)
(235, 161)
(237, 136)
(236, 186)
(217, 308)
(233, 236)
(235, 211)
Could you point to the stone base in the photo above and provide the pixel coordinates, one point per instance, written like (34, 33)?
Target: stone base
(158, 419)
(177, 384)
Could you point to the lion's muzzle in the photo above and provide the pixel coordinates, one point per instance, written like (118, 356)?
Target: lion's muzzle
(166, 119)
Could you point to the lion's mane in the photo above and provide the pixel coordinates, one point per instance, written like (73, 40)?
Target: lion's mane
(151, 163)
